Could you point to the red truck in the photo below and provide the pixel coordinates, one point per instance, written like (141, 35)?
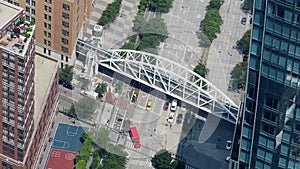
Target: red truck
(135, 137)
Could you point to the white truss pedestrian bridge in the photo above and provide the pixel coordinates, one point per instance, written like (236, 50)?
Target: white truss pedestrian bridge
(165, 76)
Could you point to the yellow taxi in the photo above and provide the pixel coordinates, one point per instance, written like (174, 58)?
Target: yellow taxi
(149, 104)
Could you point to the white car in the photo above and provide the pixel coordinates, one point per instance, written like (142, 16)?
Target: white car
(228, 145)
(173, 105)
(171, 117)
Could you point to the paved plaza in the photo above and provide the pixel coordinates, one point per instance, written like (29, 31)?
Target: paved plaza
(116, 33)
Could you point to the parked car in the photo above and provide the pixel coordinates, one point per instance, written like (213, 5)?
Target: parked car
(171, 117)
(149, 104)
(179, 119)
(183, 106)
(166, 106)
(228, 145)
(244, 20)
(68, 86)
(173, 105)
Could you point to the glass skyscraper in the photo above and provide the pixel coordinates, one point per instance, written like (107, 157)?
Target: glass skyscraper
(268, 133)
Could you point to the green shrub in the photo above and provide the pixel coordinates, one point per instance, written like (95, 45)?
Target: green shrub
(110, 13)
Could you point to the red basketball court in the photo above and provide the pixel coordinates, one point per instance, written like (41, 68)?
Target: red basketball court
(61, 159)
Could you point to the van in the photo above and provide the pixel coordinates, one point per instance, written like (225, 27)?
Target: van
(173, 105)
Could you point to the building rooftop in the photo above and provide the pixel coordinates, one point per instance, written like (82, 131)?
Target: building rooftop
(7, 12)
(15, 33)
(45, 70)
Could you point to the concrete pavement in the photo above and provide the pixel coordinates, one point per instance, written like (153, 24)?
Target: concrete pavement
(222, 56)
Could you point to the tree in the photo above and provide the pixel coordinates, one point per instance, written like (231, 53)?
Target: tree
(244, 42)
(66, 74)
(84, 83)
(85, 108)
(239, 75)
(101, 89)
(72, 112)
(215, 4)
(201, 69)
(101, 138)
(211, 23)
(81, 164)
(119, 86)
(149, 43)
(162, 159)
(162, 6)
(110, 13)
(85, 151)
(155, 26)
(139, 21)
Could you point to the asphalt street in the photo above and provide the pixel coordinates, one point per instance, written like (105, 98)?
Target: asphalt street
(222, 55)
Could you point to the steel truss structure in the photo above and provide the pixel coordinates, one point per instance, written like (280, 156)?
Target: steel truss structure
(165, 76)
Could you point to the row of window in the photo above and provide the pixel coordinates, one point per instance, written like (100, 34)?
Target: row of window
(47, 8)
(29, 9)
(47, 17)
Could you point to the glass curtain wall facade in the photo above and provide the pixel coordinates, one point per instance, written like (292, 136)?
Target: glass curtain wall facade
(270, 135)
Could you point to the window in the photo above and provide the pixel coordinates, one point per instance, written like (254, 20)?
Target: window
(49, 43)
(50, 9)
(49, 35)
(45, 16)
(64, 32)
(45, 25)
(67, 59)
(32, 11)
(65, 24)
(32, 3)
(66, 7)
(64, 49)
(45, 42)
(65, 15)
(65, 41)
(49, 26)
(45, 8)
(49, 17)
(27, 9)
(45, 33)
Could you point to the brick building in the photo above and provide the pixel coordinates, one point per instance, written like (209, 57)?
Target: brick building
(28, 92)
(59, 23)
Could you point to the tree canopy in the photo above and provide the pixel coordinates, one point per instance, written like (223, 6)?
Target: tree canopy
(162, 6)
(101, 89)
(85, 108)
(244, 43)
(201, 69)
(211, 23)
(66, 74)
(110, 13)
(239, 75)
(215, 4)
(155, 26)
(85, 152)
(162, 159)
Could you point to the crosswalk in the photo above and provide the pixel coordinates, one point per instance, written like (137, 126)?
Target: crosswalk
(142, 150)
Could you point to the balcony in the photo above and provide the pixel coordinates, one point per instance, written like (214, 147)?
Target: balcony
(15, 39)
